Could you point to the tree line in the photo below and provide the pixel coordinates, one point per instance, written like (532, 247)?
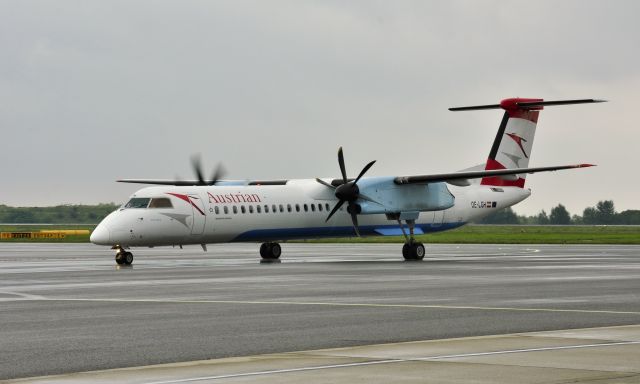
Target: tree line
(61, 214)
(603, 213)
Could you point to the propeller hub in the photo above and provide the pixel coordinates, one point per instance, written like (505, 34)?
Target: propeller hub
(348, 191)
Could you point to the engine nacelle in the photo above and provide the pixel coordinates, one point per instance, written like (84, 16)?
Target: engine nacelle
(393, 198)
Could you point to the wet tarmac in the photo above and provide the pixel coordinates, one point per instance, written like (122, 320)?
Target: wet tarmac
(68, 308)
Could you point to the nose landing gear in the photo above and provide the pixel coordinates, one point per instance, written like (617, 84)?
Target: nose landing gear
(123, 257)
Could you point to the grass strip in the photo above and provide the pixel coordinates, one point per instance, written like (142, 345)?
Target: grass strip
(515, 234)
(469, 234)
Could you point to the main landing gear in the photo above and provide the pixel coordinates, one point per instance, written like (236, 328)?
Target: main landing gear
(411, 250)
(123, 257)
(270, 251)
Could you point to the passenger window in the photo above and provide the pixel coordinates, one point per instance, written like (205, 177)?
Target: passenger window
(251, 209)
(306, 208)
(281, 208)
(138, 202)
(273, 209)
(242, 209)
(297, 207)
(266, 209)
(320, 207)
(327, 207)
(235, 210)
(160, 202)
(313, 207)
(217, 209)
(226, 210)
(288, 207)
(259, 208)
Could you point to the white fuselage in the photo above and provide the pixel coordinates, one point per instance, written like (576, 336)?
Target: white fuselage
(261, 213)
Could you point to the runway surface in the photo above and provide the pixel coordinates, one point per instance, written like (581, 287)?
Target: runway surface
(68, 308)
(606, 355)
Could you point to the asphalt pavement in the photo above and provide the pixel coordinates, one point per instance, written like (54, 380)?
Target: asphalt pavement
(68, 308)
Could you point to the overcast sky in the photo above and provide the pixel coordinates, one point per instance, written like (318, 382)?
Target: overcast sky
(93, 91)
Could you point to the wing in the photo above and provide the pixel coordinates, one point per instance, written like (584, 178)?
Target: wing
(458, 178)
(159, 182)
(196, 182)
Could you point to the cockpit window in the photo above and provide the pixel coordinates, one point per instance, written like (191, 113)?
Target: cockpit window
(160, 202)
(138, 202)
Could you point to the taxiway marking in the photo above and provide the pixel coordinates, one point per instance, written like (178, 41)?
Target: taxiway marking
(390, 361)
(329, 304)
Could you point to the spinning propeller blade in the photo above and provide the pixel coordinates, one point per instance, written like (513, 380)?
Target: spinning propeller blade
(348, 191)
(196, 163)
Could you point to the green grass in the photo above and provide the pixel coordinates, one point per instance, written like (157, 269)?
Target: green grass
(517, 234)
(470, 234)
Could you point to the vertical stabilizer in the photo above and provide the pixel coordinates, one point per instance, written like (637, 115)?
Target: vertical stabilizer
(514, 141)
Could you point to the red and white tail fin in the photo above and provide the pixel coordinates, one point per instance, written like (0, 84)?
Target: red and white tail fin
(514, 141)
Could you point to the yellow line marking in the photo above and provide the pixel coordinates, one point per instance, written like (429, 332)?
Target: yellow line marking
(328, 304)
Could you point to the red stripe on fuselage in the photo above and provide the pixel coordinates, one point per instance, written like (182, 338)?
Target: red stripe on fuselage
(187, 199)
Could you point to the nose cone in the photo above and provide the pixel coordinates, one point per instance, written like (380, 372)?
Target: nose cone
(101, 235)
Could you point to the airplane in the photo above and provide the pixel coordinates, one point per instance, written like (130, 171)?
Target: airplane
(210, 211)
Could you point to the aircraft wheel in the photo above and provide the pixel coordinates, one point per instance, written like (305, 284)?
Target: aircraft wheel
(128, 258)
(405, 251)
(276, 250)
(413, 251)
(419, 251)
(270, 251)
(120, 258)
(264, 250)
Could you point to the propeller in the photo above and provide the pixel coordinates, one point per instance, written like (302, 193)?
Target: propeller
(196, 163)
(348, 192)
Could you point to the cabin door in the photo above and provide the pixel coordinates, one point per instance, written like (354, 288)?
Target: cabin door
(199, 216)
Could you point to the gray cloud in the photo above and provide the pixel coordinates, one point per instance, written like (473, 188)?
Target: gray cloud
(91, 91)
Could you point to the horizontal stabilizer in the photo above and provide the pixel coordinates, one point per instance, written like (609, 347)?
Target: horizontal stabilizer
(525, 104)
(446, 177)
